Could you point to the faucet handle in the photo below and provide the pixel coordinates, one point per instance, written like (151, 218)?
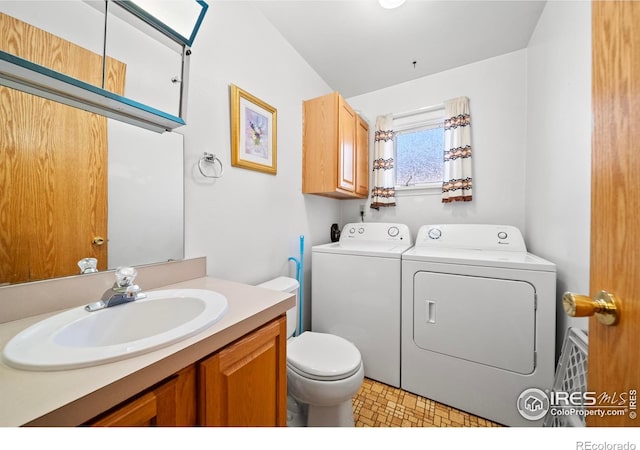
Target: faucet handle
(125, 276)
(134, 292)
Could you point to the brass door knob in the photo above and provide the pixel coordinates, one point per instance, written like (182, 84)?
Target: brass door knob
(98, 240)
(603, 306)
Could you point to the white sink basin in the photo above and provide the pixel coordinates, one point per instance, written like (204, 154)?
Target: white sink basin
(78, 338)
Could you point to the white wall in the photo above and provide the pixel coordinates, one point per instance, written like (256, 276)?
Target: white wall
(497, 93)
(559, 147)
(248, 223)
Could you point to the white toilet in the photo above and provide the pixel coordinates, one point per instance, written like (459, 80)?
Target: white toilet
(324, 371)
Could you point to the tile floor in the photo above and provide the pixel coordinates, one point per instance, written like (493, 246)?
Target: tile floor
(379, 405)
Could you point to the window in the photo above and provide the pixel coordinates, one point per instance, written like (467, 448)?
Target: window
(419, 151)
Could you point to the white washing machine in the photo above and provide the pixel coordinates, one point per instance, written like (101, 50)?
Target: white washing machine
(478, 320)
(355, 293)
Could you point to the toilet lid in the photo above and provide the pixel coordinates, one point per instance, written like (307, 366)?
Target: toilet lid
(322, 356)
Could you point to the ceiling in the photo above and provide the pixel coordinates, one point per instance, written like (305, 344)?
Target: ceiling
(356, 46)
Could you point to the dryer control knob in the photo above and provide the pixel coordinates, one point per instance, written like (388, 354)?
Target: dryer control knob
(435, 233)
(393, 231)
(502, 235)
(360, 230)
(352, 230)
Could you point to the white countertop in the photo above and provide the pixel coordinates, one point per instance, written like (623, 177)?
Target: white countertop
(71, 397)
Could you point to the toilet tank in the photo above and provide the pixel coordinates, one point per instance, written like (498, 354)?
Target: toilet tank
(286, 284)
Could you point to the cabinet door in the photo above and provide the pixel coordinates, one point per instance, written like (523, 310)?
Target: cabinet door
(245, 384)
(362, 157)
(319, 145)
(171, 403)
(347, 147)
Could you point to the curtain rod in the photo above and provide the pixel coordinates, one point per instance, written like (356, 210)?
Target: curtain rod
(418, 111)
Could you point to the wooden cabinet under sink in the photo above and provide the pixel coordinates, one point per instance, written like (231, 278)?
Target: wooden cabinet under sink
(243, 384)
(169, 403)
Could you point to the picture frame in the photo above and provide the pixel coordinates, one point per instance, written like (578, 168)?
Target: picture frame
(253, 132)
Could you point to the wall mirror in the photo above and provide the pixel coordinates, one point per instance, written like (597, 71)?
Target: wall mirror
(76, 184)
(62, 202)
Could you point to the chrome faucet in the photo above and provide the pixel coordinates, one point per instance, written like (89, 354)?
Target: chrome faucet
(122, 291)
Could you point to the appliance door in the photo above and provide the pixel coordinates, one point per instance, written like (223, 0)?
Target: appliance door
(487, 321)
(358, 298)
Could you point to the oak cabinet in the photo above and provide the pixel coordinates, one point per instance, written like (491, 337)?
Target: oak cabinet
(170, 403)
(362, 157)
(335, 149)
(243, 384)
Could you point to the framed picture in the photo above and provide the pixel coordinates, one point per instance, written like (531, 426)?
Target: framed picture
(253, 132)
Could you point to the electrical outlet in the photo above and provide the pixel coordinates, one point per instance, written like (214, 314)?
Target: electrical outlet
(362, 209)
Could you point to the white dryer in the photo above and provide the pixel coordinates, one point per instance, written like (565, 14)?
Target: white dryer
(478, 320)
(355, 293)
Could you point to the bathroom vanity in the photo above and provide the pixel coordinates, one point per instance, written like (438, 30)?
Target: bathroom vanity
(233, 373)
(222, 389)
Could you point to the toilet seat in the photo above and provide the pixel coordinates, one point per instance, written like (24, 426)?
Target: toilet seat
(322, 357)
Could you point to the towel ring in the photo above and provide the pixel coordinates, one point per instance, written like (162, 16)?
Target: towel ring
(210, 158)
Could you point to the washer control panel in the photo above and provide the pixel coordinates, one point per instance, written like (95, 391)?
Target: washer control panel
(376, 232)
(471, 236)
(434, 233)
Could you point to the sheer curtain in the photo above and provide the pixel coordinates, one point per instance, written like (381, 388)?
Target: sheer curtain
(383, 191)
(457, 182)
